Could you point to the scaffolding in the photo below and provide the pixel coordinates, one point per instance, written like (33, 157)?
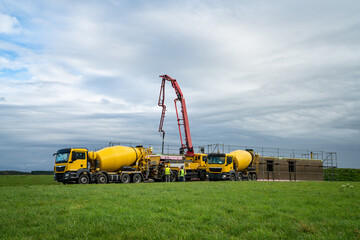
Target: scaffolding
(330, 166)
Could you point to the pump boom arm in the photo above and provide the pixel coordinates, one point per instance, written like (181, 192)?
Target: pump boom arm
(184, 121)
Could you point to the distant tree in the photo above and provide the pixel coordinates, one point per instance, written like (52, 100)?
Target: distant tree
(342, 174)
(42, 172)
(13, 173)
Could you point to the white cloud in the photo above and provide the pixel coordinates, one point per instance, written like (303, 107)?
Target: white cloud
(9, 24)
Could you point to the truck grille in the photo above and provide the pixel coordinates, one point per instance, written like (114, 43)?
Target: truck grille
(60, 168)
(215, 169)
(216, 176)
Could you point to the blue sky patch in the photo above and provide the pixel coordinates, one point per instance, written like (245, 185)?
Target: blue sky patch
(10, 55)
(17, 74)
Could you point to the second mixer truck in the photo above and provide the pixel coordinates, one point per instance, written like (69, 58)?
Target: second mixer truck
(235, 166)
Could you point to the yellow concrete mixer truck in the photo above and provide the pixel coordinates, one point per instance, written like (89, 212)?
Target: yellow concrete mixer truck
(235, 166)
(111, 164)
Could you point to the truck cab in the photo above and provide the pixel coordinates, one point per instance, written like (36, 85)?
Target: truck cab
(70, 163)
(220, 167)
(195, 166)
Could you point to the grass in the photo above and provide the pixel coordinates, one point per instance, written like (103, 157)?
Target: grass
(35, 207)
(26, 180)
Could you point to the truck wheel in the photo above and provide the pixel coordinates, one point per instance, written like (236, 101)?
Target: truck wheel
(173, 176)
(137, 178)
(202, 176)
(125, 178)
(83, 179)
(240, 177)
(232, 177)
(101, 178)
(254, 177)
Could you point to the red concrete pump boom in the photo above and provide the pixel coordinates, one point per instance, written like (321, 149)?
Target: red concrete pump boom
(184, 121)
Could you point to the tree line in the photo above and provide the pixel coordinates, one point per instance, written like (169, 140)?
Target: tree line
(26, 173)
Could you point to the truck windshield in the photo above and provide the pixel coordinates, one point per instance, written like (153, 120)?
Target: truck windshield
(216, 160)
(62, 156)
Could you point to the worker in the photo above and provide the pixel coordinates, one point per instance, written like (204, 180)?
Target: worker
(151, 150)
(167, 173)
(182, 174)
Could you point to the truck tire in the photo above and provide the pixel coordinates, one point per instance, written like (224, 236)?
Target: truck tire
(83, 179)
(240, 177)
(254, 177)
(232, 177)
(101, 179)
(125, 178)
(173, 176)
(202, 176)
(137, 178)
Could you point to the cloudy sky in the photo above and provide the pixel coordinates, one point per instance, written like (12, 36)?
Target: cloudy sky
(258, 73)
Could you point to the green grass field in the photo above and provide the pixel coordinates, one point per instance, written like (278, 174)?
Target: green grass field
(35, 207)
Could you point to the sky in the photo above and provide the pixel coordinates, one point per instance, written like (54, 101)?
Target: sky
(282, 74)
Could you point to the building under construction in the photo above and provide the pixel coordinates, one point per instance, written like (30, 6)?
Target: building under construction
(291, 169)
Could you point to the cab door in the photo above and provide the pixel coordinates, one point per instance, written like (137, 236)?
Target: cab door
(229, 164)
(78, 160)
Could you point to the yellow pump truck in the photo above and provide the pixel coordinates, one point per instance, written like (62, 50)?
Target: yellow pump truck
(235, 166)
(195, 166)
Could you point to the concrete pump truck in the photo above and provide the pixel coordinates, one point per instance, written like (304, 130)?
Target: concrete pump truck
(237, 165)
(195, 163)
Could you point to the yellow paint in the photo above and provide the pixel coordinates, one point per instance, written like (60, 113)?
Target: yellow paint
(197, 162)
(241, 159)
(114, 158)
(78, 163)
